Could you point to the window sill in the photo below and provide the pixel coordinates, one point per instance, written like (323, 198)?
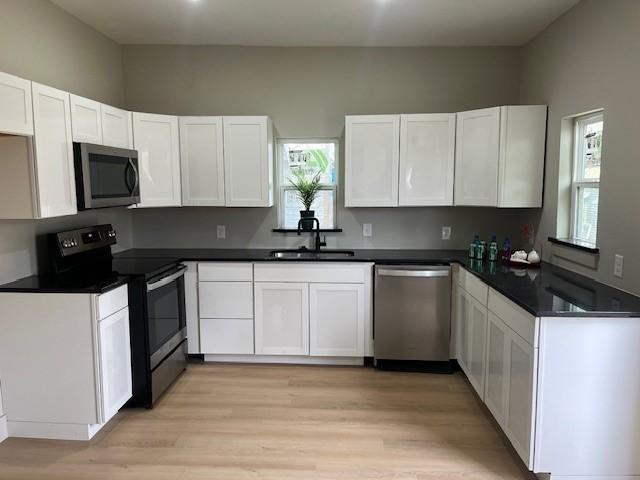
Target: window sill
(575, 243)
(295, 230)
(569, 252)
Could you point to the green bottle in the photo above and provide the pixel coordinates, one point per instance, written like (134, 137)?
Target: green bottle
(493, 249)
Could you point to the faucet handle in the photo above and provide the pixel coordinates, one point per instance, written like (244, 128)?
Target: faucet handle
(323, 243)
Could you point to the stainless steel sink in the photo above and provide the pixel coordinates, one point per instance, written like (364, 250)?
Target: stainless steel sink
(311, 254)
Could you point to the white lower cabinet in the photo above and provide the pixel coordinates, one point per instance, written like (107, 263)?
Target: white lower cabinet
(495, 395)
(471, 329)
(115, 362)
(296, 310)
(520, 395)
(337, 319)
(281, 318)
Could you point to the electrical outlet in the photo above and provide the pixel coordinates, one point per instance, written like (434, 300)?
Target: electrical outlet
(367, 230)
(618, 264)
(221, 231)
(446, 233)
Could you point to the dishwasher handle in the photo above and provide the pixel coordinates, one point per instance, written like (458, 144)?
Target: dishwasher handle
(389, 272)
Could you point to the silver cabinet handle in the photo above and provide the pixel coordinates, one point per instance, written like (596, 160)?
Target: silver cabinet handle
(166, 280)
(413, 273)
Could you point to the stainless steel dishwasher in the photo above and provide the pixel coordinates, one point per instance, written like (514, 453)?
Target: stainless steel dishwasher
(412, 313)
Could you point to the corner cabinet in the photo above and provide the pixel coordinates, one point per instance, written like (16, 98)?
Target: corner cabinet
(248, 161)
(202, 160)
(500, 156)
(427, 155)
(54, 168)
(372, 151)
(157, 139)
(16, 113)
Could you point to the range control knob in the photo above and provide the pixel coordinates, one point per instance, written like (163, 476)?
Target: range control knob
(111, 233)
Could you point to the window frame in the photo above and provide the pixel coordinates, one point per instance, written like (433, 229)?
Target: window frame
(283, 185)
(579, 182)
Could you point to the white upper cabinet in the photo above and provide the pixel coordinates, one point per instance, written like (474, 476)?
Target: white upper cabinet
(117, 127)
(427, 155)
(56, 189)
(86, 120)
(156, 137)
(522, 147)
(248, 161)
(16, 111)
(500, 156)
(477, 156)
(202, 160)
(372, 150)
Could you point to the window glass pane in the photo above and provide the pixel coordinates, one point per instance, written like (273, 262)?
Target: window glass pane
(322, 206)
(587, 213)
(309, 159)
(591, 148)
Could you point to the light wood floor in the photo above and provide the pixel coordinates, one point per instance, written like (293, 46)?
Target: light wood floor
(282, 423)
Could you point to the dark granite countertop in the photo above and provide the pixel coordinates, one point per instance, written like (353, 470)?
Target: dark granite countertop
(53, 284)
(544, 291)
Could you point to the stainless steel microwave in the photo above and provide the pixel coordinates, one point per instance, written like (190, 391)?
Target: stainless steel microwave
(105, 176)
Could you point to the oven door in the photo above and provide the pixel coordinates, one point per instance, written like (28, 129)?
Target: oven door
(105, 176)
(166, 313)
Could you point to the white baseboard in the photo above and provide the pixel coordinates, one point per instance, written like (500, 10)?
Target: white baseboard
(53, 431)
(286, 359)
(4, 433)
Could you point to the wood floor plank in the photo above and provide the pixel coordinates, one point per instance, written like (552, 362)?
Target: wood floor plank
(238, 422)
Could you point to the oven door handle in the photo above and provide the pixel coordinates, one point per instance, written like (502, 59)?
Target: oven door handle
(166, 280)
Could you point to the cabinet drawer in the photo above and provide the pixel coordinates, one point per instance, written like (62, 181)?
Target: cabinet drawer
(225, 272)
(112, 301)
(520, 321)
(226, 299)
(306, 273)
(226, 335)
(476, 287)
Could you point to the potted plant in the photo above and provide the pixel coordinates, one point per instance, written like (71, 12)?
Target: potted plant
(307, 190)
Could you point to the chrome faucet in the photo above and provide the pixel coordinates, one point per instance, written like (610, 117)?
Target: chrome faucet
(318, 243)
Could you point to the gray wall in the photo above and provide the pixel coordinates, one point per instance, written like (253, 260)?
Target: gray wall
(41, 42)
(588, 59)
(307, 92)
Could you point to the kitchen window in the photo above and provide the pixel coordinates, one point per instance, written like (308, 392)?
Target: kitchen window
(308, 158)
(587, 160)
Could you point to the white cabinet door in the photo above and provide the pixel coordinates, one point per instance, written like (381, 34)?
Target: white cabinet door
(518, 420)
(202, 161)
(157, 139)
(477, 325)
(55, 174)
(16, 111)
(117, 127)
(281, 318)
(226, 336)
(477, 157)
(495, 396)
(372, 149)
(86, 120)
(336, 320)
(463, 305)
(523, 131)
(248, 161)
(226, 299)
(427, 156)
(115, 362)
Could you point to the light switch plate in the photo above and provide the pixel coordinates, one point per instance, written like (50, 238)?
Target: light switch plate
(221, 231)
(618, 265)
(367, 230)
(446, 233)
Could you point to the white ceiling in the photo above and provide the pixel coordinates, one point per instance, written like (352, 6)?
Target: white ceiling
(319, 22)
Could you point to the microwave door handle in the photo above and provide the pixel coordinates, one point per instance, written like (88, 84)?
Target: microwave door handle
(136, 177)
(126, 178)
